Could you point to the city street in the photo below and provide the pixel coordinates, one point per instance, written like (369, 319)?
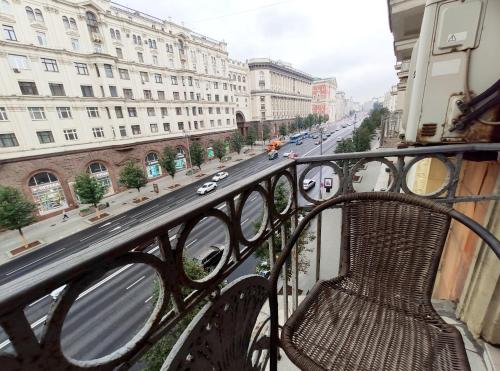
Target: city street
(111, 311)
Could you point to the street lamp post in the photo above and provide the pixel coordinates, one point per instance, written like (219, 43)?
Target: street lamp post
(189, 151)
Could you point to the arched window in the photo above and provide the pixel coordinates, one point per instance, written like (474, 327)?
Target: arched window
(42, 178)
(112, 32)
(139, 40)
(39, 16)
(30, 14)
(118, 36)
(91, 20)
(243, 79)
(239, 78)
(134, 38)
(180, 150)
(151, 158)
(96, 167)
(65, 22)
(72, 23)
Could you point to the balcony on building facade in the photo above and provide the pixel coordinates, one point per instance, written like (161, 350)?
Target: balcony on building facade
(237, 328)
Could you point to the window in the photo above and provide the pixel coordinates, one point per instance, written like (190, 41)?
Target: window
(140, 57)
(108, 113)
(200, 110)
(119, 53)
(196, 125)
(158, 78)
(198, 96)
(227, 109)
(124, 75)
(161, 95)
(226, 98)
(176, 95)
(128, 94)
(216, 97)
(64, 112)
(91, 21)
(72, 24)
(118, 112)
(228, 122)
(193, 109)
(209, 97)
(152, 44)
(9, 33)
(178, 110)
(75, 44)
(28, 88)
(37, 113)
(219, 122)
(217, 110)
(87, 90)
(112, 32)
(41, 38)
(113, 91)
(212, 123)
(38, 15)
(154, 128)
(19, 62)
(174, 80)
(216, 85)
(3, 114)
(118, 36)
(81, 68)
(8, 140)
(93, 112)
(98, 132)
(108, 70)
(144, 77)
(123, 131)
(164, 111)
(45, 137)
(190, 81)
(210, 110)
(224, 86)
(50, 65)
(147, 94)
(65, 22)
(191, 95)
(155, 60)
(180, 126)
(151, 111)
(70, 134)
(136, 129)
(166, 126)
(132, 112)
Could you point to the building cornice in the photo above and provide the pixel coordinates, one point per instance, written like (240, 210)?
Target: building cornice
(286, 95)
(281, 68)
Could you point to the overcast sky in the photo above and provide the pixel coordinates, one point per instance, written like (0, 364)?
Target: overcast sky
(346, 39)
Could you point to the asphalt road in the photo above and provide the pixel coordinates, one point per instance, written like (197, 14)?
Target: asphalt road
(112, 310)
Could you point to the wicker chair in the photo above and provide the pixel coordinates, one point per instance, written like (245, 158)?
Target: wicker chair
(377, 315)
(222, 335)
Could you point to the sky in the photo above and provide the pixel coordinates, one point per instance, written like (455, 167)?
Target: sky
(346, 39)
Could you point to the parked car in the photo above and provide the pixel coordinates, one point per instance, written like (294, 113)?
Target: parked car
(298, 143)
(209, 258)
(315, 136)
(308, 184)
(207, 187)
(328, 135)
(272, 155)
(317, 142)
(220, 176)
(339, 139)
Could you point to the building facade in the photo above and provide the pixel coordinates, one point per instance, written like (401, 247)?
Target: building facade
(239, 85)
(278, 92)
(323, 93)
(340, 106)
(86, 86)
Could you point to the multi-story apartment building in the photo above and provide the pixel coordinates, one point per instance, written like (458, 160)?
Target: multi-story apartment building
(278, 92)
(239, 85)
(323, 97)
(340, 105)
(86, 86)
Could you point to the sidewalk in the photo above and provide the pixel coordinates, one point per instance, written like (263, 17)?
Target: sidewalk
(53, 229)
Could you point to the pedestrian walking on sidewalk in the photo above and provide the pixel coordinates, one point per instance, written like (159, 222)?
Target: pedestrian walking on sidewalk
(65, 216)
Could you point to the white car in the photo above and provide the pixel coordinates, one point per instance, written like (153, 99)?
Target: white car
(220, 176)
(339, 139)
(308, 184)
(286, 154)
(207, 187)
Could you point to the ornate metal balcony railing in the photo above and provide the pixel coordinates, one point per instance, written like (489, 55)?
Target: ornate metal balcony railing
(178, 294)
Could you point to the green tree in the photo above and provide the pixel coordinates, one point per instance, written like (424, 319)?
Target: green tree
(90, 191)
(167, 161)
(219, 149)
(133, 176)
(266, 132)
(345, 146)
(361, 139)
(251, 136)
(283, 130)
(237, 141)
(197, 154)
(154, 358)
(15, 211)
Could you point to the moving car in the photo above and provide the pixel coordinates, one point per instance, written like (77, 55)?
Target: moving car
(299, 142)
(219, 176)
(210, 257)
(308, 184)
(339, 139)
(317, 142)
(315, 136)
(290, 154)
(207, 187)
(328, 135)
(272, 155)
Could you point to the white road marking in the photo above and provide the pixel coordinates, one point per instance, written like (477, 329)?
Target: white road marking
(90, 236)
(189, 244)
(33, 262)
(43, 297)
(221, 207)
(102, 282)
(133, 284)
(105, 224)
(244, 221)
(116, 228)
(202, 220)
(253, 198)
(33, 325)
(148, 299)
